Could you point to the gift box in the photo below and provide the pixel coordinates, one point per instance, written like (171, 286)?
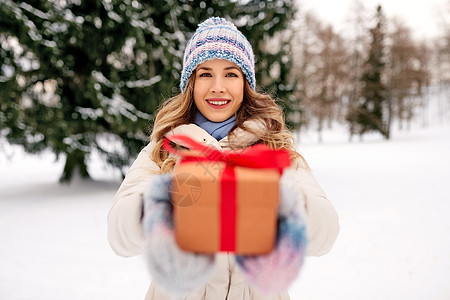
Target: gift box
(226, 200)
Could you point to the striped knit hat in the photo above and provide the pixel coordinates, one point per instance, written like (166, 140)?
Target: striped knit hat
(216, 38)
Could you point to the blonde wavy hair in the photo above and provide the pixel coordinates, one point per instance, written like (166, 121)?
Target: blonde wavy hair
(181, 109)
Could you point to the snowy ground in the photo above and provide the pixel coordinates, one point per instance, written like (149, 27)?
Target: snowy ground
(391, 197)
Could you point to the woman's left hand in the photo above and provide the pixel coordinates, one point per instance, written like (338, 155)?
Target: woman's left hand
(274, 272)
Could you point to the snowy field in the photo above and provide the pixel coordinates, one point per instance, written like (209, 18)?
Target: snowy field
(391, 197)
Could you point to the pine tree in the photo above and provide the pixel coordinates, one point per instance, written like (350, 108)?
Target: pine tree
(357, 43)
(370, 114)
(79, 77)
(75, 79)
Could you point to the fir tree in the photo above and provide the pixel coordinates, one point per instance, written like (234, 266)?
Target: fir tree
(370, 115)
(84, 76)
(77, 71)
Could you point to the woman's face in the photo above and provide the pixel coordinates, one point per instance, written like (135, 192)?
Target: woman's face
(218, 89)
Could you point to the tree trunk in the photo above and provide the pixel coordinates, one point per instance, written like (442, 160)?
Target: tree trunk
(75, 165)
(390, 112)
(319, 130)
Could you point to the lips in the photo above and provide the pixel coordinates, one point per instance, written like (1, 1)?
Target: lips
(218, 102)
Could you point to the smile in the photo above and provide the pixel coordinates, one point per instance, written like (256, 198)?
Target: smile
(218, 102)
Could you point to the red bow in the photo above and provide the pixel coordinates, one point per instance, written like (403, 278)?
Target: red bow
(259, 156)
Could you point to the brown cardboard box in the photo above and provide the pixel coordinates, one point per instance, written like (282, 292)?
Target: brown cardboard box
(206, 221)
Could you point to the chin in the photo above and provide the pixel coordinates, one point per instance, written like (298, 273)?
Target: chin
(217, 119)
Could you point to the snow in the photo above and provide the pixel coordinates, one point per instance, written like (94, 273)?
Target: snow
(390, 195)
(53, 237)
(117, 105)
(38, 13)
(143, 83)
(113, 15)
(393, 209)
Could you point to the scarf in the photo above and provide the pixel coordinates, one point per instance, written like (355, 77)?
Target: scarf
(218, 130)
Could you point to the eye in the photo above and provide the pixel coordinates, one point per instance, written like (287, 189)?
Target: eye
(206, 74)
(232, 75)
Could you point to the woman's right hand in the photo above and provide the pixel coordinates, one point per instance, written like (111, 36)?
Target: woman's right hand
(178, 271)
(157, 208)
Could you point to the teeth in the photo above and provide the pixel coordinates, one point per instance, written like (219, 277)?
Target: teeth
(218, 102)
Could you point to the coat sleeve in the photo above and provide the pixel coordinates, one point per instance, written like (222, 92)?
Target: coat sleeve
(322, 220)
(124, 219)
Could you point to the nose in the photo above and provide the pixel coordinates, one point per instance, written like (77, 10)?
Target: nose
(218, 85)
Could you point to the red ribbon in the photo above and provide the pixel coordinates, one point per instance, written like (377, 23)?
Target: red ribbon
(228, 210)
(259, 156)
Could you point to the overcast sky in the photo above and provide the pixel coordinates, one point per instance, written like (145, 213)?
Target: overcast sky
(423, 16)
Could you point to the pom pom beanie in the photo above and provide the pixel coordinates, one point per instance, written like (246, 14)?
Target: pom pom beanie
(216, 38)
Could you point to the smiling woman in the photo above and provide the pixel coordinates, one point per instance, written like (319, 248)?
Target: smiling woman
(218, 89)
(219, 106)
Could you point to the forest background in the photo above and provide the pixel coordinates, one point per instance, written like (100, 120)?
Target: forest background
(87, 77)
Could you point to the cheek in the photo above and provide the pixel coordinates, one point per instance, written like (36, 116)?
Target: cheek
(198, 102)
(198, 92)
(238, 93)
(238, 104)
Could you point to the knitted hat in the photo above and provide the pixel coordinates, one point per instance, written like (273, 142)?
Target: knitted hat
(216, 38)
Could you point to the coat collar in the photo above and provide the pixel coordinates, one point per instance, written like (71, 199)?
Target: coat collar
(243, 137)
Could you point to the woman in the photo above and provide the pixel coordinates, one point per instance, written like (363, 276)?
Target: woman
(218, 106)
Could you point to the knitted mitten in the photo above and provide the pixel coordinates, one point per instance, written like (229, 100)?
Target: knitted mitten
(175, 270)
(273, 272)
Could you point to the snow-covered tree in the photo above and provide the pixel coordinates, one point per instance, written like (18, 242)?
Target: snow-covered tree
(82, 76)
(81, 84)
(358, 44)
(370, 113)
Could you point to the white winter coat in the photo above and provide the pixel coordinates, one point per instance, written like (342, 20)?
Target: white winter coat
(126, 237)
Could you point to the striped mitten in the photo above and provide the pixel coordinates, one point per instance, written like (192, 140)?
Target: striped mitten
(273, 272)
(175, 270)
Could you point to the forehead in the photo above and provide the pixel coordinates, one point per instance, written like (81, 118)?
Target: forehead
(218, 63)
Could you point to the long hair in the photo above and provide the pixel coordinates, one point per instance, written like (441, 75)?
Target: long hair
(174, 112)
(181, 109)
(263, 107)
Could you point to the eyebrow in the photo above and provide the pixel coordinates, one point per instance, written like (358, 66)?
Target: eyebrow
(227, 68)
(232, 67)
